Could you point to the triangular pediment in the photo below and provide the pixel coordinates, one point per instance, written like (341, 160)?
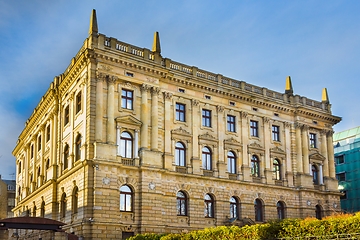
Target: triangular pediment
(207, 136)
(128, 119)
(277, 150)
(180, 130)
(317, 156)
(232, 141)
(255, 145)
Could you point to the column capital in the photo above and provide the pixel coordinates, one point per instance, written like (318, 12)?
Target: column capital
(298, 125)
(243, 114)
(145, 87)
(195, 102)
(155, 91)
(266, 119)
(287, 124)
(220, 108)
(100, 77)
(168, 95)
(111, 79)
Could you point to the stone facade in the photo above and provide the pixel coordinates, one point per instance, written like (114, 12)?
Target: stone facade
(126, 141)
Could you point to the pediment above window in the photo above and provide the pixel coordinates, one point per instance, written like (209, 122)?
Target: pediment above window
(255, 145)
(277, 150)
(181, 131)
(180, 134)
(316, 156)
(128, 120)
(207, 136)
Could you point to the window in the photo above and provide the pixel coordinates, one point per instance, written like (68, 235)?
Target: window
(234, 213)
(341, 177)
(39, 143)
(47, 165)
(206, 158)
(78, 102)
(280, 210)
(78, 147)
(42, 209)
(34, 212)
(275, 133)
(19, 168)
(180, 112)
(206, 118)
(254, 131)
(318, 212)
(75, 200)
(231, 123)
(258, 206)
(340, 159)
(181, 204)
(315, 174)
(312, 140)
(126, 145)
(180, 154)
(255, 166)
(126, 196)
(48, 133)
(276, 169)
(66, 115)
(181, 90)
(32, 151)
(63, 206)
(66, 156)
(231, 162)
(209, 206)
(127, 99)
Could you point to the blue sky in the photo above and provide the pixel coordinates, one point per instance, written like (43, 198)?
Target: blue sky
(317, 43)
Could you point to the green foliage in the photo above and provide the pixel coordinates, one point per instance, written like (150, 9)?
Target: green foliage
(309, 228)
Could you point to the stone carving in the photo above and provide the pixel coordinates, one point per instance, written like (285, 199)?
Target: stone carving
(195, 102)
(207, 135)
(168, 95)
(220, 108)
(155, 91)
(180, 130)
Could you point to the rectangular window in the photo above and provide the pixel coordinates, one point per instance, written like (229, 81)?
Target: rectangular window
(48, 133)
(231, 123)
(312, 140)
(39, 143)
(78, 102)
(275, 133)
(206, 118)
(254, 128)
(339, 159)
(127, 99)
(180, 112)
(341, 177)
(66, 115)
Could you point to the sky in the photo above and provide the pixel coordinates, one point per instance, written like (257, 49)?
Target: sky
(261, 42)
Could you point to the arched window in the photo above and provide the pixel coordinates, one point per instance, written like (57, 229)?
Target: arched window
(280, 206)
(234, 212)
(231, 162)
(318, 212)
(276, 169)
(42, 209)
(74, 201)
(258, 206)
(255, 166)
(181, 203)
(180, 154)
(206, 158)
(126, 198)
(77, 147)
(126, 145)
(209, 206)
(315, 174)
(63, 205)
(66, 156)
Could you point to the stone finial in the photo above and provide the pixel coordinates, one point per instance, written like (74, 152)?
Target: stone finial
(325, 97)
(288, 86)
(93, 29)
(156, 44)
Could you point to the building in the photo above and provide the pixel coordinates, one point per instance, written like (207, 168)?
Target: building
(7, 201)
(347, 160)
(126, 141)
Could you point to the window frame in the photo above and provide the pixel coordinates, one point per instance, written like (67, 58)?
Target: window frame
(66, 115)
(78, 147)
(181, 204)
(180, 112)
(78, 102)
(255, 166)
(231, 123)
(206, 118)
(315, 174)
(259, 210)
(126, 195)
(209, 206)
(180, 154)
(254, 128)
(127, 102)
(231, 160)
(276, 169)
(312, 140)
(126, 145)
(341, 177)
(66, 156)
(234, 207)
(275, 129)
(206, 158)
(280, 207)
(340, 159)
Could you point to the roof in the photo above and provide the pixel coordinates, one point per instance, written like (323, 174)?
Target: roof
(350, 133)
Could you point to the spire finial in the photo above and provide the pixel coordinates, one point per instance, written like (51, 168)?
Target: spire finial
(156, 43)
(288, 86)
(93, 29)
(325, 97)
